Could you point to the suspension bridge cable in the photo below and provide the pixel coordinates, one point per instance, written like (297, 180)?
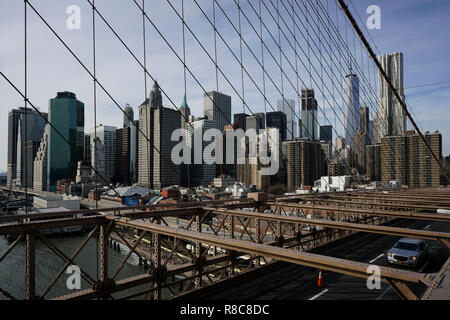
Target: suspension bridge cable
(89, 72)
(386, 78)
(356, 65)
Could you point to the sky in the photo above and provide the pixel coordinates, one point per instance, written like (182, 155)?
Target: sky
(418, 28)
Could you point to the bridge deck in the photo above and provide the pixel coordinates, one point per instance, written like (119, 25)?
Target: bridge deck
(442, 290)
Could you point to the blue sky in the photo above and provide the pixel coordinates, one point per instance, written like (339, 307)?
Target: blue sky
(418, 28)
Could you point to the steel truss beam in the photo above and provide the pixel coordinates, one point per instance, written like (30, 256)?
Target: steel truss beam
(373, 203)
(343, 266)
(393, 231)
(135, 281)
(394, 214)
(409, 200)
(166, 208)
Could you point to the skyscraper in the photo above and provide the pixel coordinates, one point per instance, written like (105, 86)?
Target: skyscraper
(201, 174)
(373, 162)
(393, 159)
(87, 148)
(126, 154)
(371, 131)
(278, 120)
(362, 140)
(350, 105)
(155, 167)
(364, 122)
(326, 133)
(32, 148)
(128, 117)
(165, 172)
(240, 120)
(66, 114)
(305, 159)
(256, 121)
(309, 114)
(40, 162)
(122, 163)
(98, 162)
(288, 107)
(217, 107)
(407, 159)
(107, 137)
(35, 129)
(390, 117)
(361, 143)
(185, 112)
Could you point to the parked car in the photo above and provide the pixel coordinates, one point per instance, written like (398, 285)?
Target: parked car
(408, 252)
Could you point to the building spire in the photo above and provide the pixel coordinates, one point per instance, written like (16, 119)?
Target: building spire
(184, 104)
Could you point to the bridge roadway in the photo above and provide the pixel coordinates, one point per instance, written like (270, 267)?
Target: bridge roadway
(293, 282)
(289, 282)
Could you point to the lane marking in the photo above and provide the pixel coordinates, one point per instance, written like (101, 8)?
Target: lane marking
(319, 294)
(424, 266)
(373, 260)
(428, 226)
(385, 291)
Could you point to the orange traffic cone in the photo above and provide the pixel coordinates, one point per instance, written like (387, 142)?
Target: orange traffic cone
(319, 281)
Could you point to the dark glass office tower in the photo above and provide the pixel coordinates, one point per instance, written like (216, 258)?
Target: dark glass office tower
(16, 129)
(326, 133)
(239, 120)
(66, 114)
(278, 120)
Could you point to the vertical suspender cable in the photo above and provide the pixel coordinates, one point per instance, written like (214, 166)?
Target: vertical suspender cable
(240, 51)
(262, 60)
(321, 71)
(25, 157)
(188, 175)
(389, 83)
(94, 55)
(147, 110)
(215, 46)
(281, 60)
(296, 70)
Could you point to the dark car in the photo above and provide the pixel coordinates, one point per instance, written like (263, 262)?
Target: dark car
(408, 252)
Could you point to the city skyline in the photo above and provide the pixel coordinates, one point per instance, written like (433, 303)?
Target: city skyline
(194, 150)
(427, 103)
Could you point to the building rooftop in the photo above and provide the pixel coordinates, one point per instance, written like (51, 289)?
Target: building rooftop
(129, 191)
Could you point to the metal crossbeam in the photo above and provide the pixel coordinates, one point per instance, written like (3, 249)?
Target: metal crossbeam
(375, 203)
(393, 231)
(395, 214)
(343, 266)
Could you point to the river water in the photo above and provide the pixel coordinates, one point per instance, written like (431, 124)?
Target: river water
(13, 267)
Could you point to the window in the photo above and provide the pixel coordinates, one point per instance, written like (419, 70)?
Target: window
(406, 246)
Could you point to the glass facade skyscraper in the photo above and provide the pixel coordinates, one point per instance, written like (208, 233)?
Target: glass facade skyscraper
(288, 107)
(309, 115)
(278, 120)
(66, 114)
(326, 133)
(350, 95)
(217, 107)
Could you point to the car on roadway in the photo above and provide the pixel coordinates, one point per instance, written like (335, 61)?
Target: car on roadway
(408, 252)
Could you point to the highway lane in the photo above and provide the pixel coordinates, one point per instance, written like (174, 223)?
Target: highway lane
(294, 282)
